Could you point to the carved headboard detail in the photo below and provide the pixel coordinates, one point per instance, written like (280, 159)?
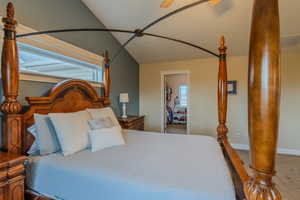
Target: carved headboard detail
(66, 96)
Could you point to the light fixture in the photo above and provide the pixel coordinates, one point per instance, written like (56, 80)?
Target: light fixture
(168, 3)
(214, 2)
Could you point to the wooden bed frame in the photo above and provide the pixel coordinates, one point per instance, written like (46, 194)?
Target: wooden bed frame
(263, 102)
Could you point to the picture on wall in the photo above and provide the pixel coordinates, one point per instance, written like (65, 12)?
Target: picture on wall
(232, 87)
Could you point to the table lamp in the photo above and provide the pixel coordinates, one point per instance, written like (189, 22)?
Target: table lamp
(124, 99)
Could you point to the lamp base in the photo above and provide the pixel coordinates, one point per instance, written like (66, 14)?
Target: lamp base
(124, 115)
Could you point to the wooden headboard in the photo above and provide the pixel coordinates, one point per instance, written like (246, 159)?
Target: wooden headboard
(66, 96)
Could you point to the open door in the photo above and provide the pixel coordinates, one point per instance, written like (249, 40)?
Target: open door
(175, 103)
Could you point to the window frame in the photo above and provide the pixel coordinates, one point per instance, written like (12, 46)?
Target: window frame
(55, 45)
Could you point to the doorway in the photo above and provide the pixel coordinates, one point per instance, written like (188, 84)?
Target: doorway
(175, 100)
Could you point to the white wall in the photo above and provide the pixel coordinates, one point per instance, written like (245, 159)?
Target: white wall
(203, 97)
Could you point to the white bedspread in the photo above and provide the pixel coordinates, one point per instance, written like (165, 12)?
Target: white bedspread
(151, 166)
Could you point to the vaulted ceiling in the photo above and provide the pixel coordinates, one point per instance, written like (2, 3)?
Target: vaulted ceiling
(202, 25)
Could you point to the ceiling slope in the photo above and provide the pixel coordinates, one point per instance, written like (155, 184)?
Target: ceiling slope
(202, 25)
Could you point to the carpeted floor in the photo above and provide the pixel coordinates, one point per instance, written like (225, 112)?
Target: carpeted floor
(176, 128)
(287, 178)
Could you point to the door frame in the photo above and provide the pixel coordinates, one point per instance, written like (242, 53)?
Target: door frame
(163, 74)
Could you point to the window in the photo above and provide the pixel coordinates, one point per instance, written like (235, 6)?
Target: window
(44, 58)
(183, 95)
(39, 61)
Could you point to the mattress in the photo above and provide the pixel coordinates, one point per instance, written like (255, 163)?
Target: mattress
(151, 166)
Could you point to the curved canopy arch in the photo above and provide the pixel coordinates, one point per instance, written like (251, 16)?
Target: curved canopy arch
(136, 33)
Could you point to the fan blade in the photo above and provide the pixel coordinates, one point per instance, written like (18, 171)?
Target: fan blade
(166, 3)
(214, 2)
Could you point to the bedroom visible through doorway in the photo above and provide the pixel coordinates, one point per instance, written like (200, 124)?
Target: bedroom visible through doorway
(176, 93)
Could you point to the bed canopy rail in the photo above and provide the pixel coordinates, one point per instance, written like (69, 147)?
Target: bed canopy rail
(137, 32)
(140, 32)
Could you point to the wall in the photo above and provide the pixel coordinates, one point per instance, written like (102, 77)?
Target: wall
(174, 81)
(59, 14)
(203, 98)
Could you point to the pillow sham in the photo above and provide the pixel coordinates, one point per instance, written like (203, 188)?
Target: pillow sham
(100, 123)
(106, 137)
(34, 149)
(46, 135)
(72, 130)
(104, 112)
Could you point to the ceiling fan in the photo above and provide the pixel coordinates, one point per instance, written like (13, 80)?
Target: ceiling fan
(168, 3)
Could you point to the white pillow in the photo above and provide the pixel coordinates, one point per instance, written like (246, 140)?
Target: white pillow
(34, 149)
(46, 135)
(104, 112)
(72, 130)
(106, 137)
(100, 123)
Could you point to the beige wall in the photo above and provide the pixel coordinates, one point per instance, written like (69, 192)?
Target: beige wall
(203, 98)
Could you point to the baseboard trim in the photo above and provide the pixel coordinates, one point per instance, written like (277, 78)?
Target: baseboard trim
(284, 151)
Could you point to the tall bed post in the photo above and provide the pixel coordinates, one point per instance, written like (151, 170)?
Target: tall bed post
(106, 77)
(263, 99)
(12, 122)
(222, 92)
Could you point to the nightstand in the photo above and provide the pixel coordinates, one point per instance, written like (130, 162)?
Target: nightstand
(11, 176)
(132, 122)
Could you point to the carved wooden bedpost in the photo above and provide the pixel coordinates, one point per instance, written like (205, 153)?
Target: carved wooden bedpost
(10, 82)
(264, 99)
(222, 92)
(106, 77)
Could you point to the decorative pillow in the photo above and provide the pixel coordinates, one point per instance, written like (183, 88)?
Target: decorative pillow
(104, 112)
(100, 123)
(72, 130)
(46, 135)
(34, 149)
(106, 137)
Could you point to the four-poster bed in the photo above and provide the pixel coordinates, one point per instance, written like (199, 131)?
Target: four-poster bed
(263, 101)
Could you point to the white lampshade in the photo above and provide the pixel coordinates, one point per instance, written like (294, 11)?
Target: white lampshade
(124, 98)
